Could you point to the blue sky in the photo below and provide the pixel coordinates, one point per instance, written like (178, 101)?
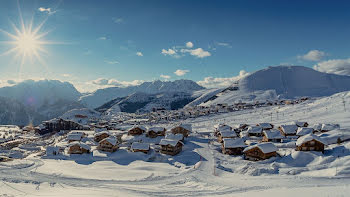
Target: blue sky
(107, 43)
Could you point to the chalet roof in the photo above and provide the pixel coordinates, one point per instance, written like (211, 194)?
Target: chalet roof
(221, 127)
(264, 147)
(254, 129)
(185, 126)
(228, 133)
(317, 126)
(100, 129)
(329, 127)
(265, 125)
(299, 123)
(234, 143)
(139, 146)
(170, 142)
(101, 133)
(304, 131)
(74, 136)
(81, 144)
(111, 139)
(156, 129)
(289, 129)
(140, 127)
(178, 136)
(273, 134)
(309, 137)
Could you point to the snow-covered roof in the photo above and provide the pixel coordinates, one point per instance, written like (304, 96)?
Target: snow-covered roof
(140, 127)
(178, 136)
(329, 127)
(254, 129)
(317, 126)
(170, 142)
(239, 126)
(289, 129)
(299, 123)
(265, 125)
(139, 146)
(81, 144)
(304, 131)
(100, 133)
(185, 126)
(100, 129)
(111, 139)
(267, 147)
(156, 129)
(222, 127)
(228, 134)
(234, 143)
(74, 136)
(309, 137)
(273, 134)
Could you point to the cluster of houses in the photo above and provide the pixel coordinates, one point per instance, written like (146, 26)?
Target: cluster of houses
(171, 143)
(234, 141)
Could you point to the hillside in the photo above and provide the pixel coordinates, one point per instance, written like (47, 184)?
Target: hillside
(283, 82)
(102, 96)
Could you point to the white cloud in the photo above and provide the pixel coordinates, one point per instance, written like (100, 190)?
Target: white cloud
(189, 44)
(104, 83)
(212, 82)
(313, 55)
(118, 20)
(165, 76)
(111, 62)
(336, 66)
(11, 82)
(199, 52)
(139, 53)
(102, 38)
(181, 72)
(168, 52)
(223, 44)
(66, 75)
(47, 10)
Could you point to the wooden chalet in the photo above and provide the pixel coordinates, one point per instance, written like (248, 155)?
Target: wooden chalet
(56, 125)
(254, 131)
(109, 144)
(137, 130)
(184, 129)
(310, 142)
(272, 135)
(220, 127)
(170, 147)
(156, 131)
(101, 135)
(288, 130)
(260, 151)
(233, 146)
(78, 148)
(226, 134)
(140, 147)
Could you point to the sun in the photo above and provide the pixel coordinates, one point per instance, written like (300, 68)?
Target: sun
(25, 41)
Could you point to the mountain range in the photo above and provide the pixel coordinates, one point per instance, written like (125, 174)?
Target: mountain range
(34, 101)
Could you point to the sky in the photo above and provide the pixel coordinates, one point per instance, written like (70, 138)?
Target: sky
(97, 44)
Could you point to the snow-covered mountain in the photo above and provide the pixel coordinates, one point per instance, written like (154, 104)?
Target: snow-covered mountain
(282, 82)
(102, 96)
(143, 102)
(41, 100)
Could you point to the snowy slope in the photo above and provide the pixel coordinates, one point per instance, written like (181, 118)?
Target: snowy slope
(101, 96)
(283, 82)
(80, 115)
